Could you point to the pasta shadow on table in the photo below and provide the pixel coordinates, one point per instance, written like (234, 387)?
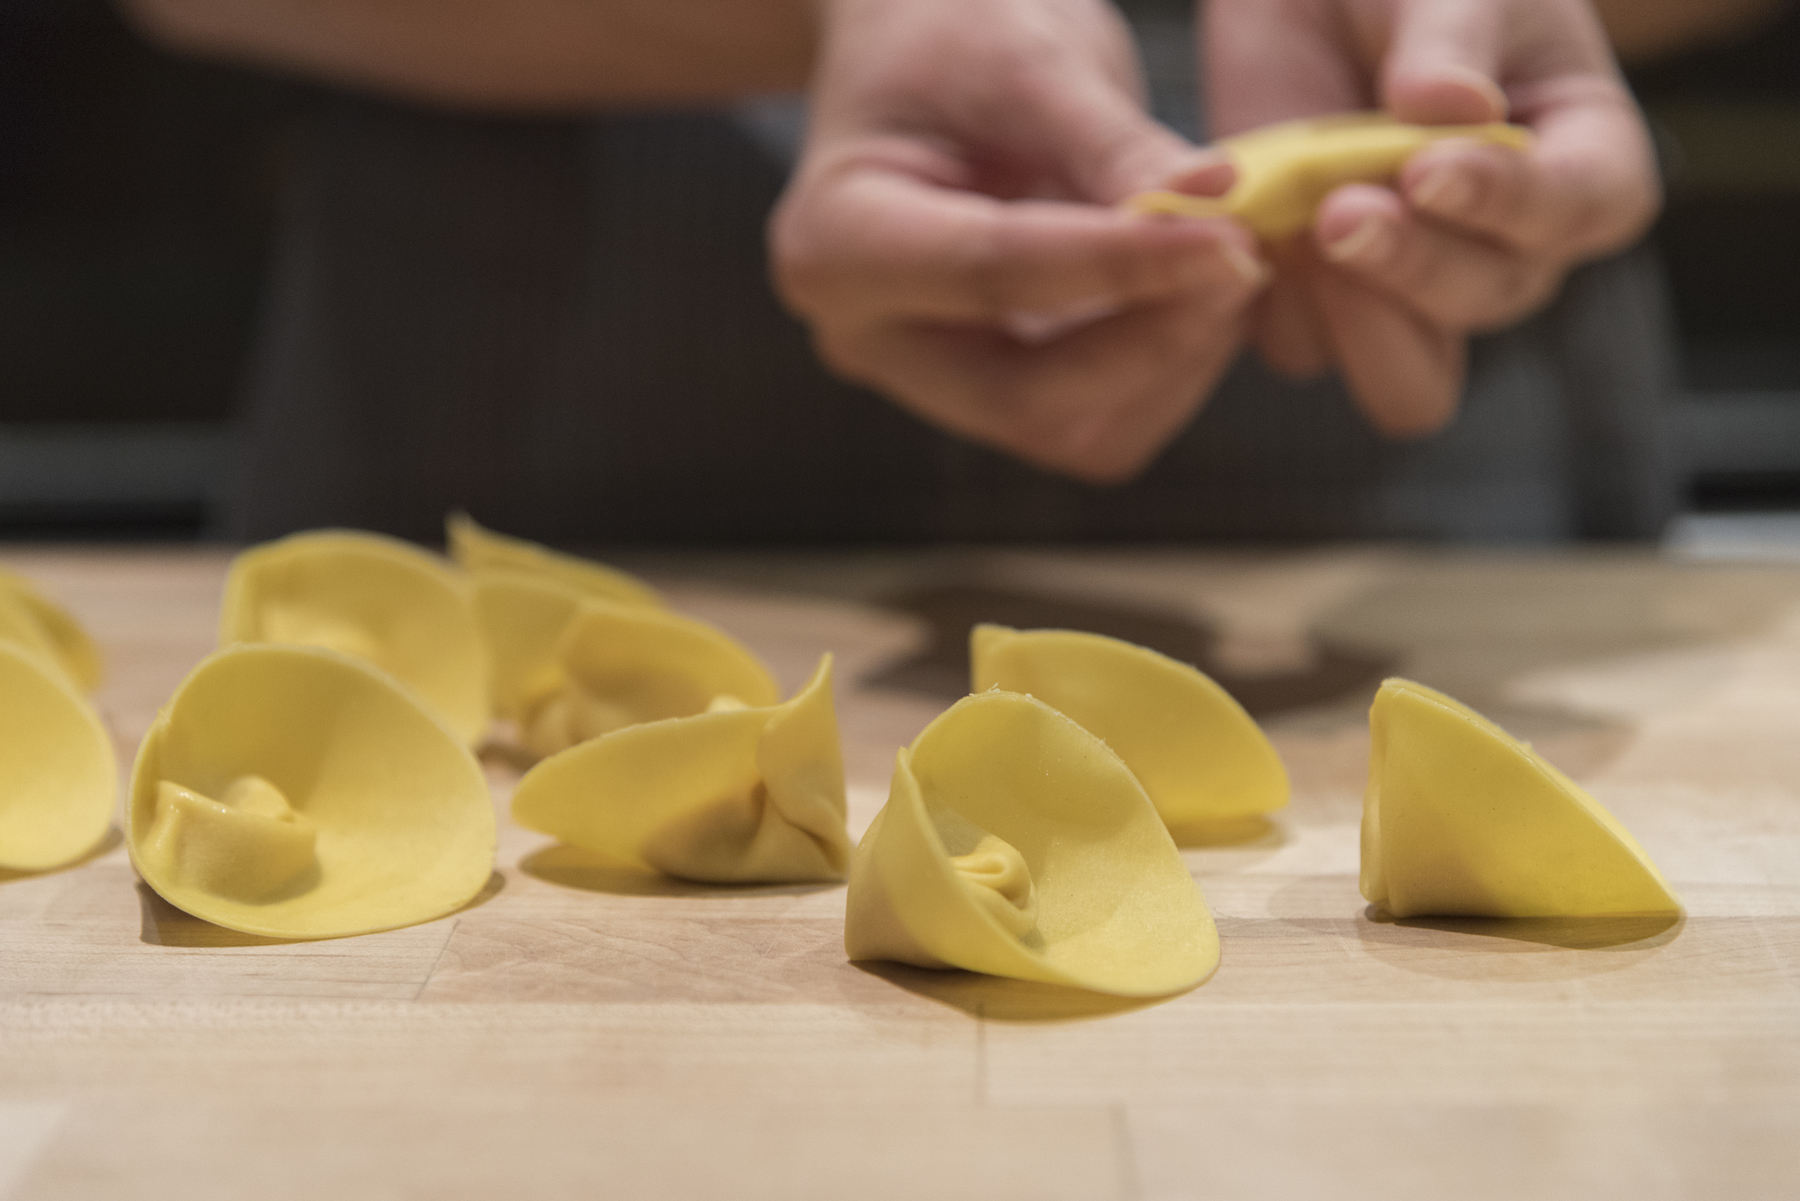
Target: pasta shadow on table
(571, 867)
(109, 842)
(1334, 670)
(1246, 832)
(163, 925)
(999, 999)
(1637, 932)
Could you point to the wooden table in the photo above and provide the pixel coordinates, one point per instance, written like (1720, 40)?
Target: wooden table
(586, 1033)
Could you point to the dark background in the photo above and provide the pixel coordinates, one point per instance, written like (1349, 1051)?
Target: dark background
(139, 194)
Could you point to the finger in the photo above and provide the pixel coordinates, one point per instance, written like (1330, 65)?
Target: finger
(1442, 60)
(876, 245)
(1272, 62)
(1404, 373)
(1095, 405)
(1286, 327)
(1460, 281)
(1107, 145)
(1589, 184)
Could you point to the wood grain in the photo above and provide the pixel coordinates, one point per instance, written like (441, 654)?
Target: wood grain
(580, 1032)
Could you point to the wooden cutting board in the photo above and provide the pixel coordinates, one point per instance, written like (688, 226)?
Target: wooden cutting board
(586, 1033)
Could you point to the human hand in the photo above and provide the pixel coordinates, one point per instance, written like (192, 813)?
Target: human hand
(950, 233)
(1391, 281)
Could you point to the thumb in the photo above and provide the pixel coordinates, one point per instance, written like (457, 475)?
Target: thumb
(1109, 148)
(1442, 60)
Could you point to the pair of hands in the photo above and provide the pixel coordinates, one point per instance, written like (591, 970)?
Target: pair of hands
(952, 236)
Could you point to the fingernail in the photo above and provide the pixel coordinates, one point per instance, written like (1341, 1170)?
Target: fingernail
(1034, 327)
(1443, 189)
(1481, 83)
(1245, 264)
(1370, 242)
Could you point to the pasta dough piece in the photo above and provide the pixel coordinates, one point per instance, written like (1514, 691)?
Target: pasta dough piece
(523, 620)
(376, 598)
(621, 665)
(1285, 170)
(30, 619)
(1462, 819)
(296, 792)
(736, 794)
(481, 550)
(58, 777)
(1015, 843)
(1193, 748)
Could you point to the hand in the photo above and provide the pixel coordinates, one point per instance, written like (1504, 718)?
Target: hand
(1393, 280)
(951, 237)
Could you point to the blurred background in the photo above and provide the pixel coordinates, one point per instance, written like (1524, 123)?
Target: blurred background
(140, 196)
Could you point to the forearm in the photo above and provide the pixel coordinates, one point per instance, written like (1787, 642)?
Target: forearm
(507, 54)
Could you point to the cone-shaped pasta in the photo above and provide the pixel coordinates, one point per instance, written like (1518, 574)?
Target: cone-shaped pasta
(401, 608)
(1193, 748)
(1015, 843)
(620, 665)
(30, 619)
(58, 777)
(1285, 170)
(295, 792)
(481, 550)
(523, 619)
(1462, 819)
(731, 795)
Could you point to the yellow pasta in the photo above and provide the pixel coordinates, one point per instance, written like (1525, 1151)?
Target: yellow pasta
(1460, 818)
(735, 793)
(1015, 843)
(58, 776)
(405, 610)
(1193, 748)
(481, 550)
(1286, 170)
(32, 620)
(295, 792)
(621, 665)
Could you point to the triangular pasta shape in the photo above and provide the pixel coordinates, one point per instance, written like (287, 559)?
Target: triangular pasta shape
(1462, 819)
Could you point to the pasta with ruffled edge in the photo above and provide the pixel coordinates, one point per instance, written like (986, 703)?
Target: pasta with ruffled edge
(1015, 843)
(735, 794)
(296, 792)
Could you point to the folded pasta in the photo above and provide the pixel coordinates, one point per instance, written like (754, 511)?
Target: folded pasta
(1461, 819)
(58, 776)
(376, 598)
(32, 620)
(481, 550)
(621, 665)
(736, 793)
(1015, 843)
(1193, 748)
(1285, 170)
(295, 792)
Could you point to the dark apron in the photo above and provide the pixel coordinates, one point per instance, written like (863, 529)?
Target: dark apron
(565, 327)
